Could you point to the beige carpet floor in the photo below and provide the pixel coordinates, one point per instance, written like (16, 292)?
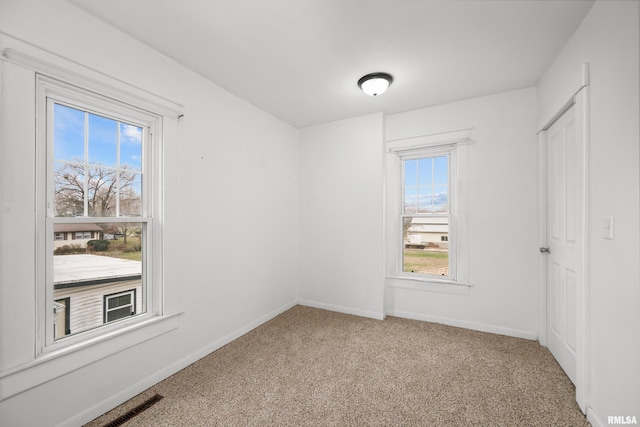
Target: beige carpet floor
(310, 367)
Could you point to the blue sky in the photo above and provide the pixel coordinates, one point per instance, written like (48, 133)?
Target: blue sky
(102, 138)
(426, 183)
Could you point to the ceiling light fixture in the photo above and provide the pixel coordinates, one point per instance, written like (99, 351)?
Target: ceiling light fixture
(375, 83)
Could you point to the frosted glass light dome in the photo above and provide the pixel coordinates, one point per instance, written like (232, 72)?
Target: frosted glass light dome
(375, 84)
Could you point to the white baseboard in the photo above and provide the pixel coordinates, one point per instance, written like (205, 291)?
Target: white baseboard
(342, 309)
(110, 403)
(482, 327)
(594, 419)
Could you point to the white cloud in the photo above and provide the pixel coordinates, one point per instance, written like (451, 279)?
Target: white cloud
(132, 133)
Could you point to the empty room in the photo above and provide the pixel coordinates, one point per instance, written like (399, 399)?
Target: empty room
(319, 212)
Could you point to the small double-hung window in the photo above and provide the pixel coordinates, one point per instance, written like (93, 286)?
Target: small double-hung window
(101, 179)
(427, 231)
(427, 211)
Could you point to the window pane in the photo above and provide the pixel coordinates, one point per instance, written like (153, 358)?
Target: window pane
(424, 249)
(410, 173)
(410, 186)
(88, 185)
(87, 271)
(130, 147)
(68, 188)
(410, 201)
(441, 170)
(441, 199)
(425, 200)
(101, 191)
(425, 172)
(68, 133)
(130, 194)
(103, 141)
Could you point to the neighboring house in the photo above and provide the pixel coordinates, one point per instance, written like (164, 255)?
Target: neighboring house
(91, 290)
(75, 234)
(428, 232)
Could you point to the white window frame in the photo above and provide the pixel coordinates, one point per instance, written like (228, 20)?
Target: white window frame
(50, 91)
(422, 153)
(456, 144)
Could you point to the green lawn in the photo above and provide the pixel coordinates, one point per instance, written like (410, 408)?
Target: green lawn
(120, 249)
(134, 256)
(426, 262)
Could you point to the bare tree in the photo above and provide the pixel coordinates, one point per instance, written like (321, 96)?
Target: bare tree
(126, 229)
(69, 190)
(130, 202)
(100, 191)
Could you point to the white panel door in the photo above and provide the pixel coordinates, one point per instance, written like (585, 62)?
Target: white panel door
(564, 187)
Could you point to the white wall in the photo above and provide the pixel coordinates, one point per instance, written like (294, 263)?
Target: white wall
(341, 220)
(608, 39)
(501, 191)
(231, 230)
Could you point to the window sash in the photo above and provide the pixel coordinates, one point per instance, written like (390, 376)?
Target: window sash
(422, 153)
(113, 112)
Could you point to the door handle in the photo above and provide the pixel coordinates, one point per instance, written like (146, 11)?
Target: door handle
(545, 250)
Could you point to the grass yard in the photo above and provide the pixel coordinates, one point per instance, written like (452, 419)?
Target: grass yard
(119, 249)
(426, 262)
(134, 256)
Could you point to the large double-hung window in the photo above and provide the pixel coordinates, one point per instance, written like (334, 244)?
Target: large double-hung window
(89, 265)
(102, 188)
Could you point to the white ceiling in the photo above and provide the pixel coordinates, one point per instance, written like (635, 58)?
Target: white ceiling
(300, 59)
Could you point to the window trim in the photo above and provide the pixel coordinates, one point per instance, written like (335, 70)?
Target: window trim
(21, 72)
(51, 90)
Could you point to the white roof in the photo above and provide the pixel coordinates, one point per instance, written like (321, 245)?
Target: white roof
(82, 268)
(429, 220)
(429, 228)
(59, 228)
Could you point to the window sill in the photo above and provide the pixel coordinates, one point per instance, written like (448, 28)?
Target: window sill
(49, 366)
(428, 284)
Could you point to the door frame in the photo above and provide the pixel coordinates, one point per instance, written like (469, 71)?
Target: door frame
(580, 102)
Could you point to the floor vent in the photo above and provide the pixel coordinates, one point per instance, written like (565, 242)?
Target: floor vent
(135, 411)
